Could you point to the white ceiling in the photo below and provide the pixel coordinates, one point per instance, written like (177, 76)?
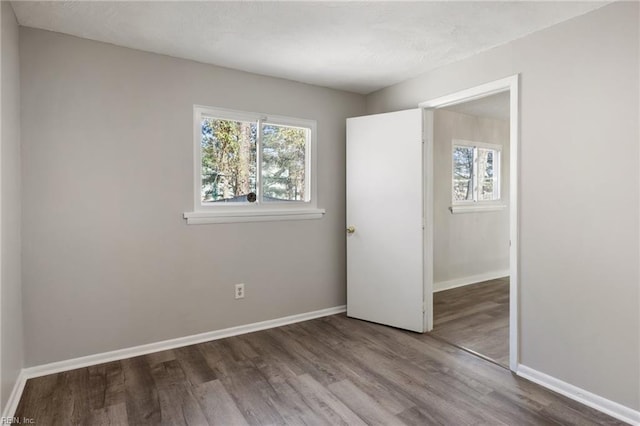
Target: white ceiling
(355, 46)
(494, 106)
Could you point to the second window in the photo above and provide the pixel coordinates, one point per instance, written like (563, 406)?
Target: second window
(476, 172)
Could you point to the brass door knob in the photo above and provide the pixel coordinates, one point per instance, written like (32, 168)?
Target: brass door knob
(351, 229)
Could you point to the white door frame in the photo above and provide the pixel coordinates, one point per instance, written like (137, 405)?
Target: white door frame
(509, 84)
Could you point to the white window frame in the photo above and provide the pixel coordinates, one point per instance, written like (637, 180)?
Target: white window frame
(476, 205)
(258, 211)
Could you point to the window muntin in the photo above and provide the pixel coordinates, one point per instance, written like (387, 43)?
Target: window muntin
(476, 172)
(250, 162)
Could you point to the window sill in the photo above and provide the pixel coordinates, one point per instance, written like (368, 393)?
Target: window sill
(205, 217)
(475, 208)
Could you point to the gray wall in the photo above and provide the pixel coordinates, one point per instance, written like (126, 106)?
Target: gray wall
(108, 260)
(11, 340)
(579, 192)
(470, 243)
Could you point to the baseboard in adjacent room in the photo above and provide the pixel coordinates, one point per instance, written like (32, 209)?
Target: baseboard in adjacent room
(473, 279)
(587, 398)
(86, 361)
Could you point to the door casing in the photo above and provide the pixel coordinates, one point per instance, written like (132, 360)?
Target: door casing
(510, 84)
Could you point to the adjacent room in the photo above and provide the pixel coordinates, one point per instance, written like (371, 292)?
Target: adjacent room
(246, 212)
(471, 226)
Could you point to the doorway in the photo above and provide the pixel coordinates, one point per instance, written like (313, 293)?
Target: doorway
(471, 244)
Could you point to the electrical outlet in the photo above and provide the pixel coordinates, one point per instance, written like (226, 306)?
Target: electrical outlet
(239, 291)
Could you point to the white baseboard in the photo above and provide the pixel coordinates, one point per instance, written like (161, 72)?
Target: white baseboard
(599, 403)
(473, 279)
(14, 398)
(587, 398)
(86, 361)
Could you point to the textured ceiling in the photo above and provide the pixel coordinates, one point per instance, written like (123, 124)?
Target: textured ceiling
(354, 46)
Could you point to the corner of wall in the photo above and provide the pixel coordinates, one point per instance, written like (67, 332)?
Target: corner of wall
(11, 320)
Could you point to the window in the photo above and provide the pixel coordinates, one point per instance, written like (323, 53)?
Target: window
(252, 167)
(476, 174)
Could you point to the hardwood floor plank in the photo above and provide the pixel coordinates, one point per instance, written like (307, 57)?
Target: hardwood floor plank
(345, 359)
(242, 348)
(274, 371)
(194, 365)
(141, 394)
(167, 374)
(72, 397)
(106, 385)
(424, 350)
(528, 414)
(221, 358)
(310, 361)
(294, 409)
(178, 406)
(322, 401)
(253, 395)
(450, 314)
(324, 331)
(566, 414)
(445, 401)
(416, 416)
(158, 357)
(333, 370)
(112, 415)
(217, 405)
(462, 373)
(475, 317)
(360, 403)
(37, 399)
(271, 353)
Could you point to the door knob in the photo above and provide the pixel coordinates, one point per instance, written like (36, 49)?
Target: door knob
(351, 229)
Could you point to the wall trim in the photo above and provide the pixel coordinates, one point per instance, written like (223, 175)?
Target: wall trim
(14, 398)
(473, 279)
(585, 397)
(509, 84)
(100, 358)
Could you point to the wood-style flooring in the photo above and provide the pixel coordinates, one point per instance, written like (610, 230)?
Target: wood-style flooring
(475, 317)
(328, 371)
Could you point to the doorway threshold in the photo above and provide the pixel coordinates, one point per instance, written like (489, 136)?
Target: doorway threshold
(470, 351)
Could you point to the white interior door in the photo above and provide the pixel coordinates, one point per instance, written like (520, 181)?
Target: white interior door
(385, 209)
